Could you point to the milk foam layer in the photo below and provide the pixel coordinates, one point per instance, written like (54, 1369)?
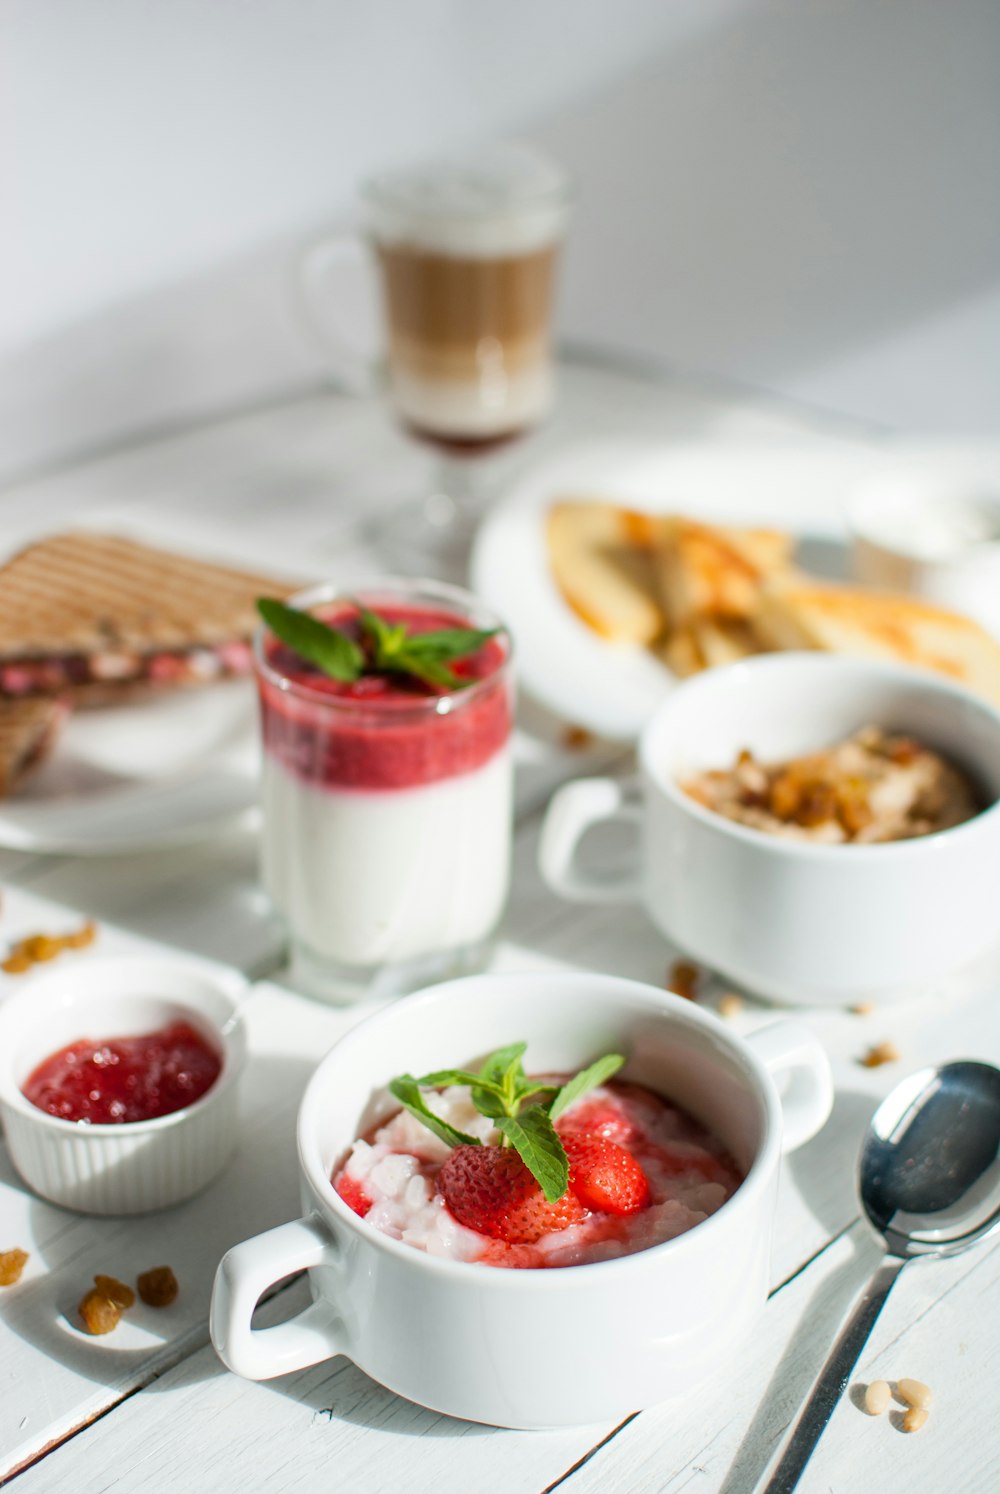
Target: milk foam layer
(490, 203)
(476, 406)
(367, 877)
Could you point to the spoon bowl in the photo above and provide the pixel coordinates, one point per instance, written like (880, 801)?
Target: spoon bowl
(929, 1183)
(929, 1170)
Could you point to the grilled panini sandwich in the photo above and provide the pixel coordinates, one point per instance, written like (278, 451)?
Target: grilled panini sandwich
(28, 729)
(96, 618)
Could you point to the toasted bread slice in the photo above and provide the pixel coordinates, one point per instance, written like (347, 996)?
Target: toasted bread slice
(87, 609)
(681, 653)
(726, 640)
(28, 729)
(796, 612)
(601, 565)
(713, 573)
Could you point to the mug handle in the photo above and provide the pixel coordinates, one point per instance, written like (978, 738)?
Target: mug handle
(573, 810)
(355, 369)
(244, 1273)
(797, 1062)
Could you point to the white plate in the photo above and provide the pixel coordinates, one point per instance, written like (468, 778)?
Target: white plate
(156, 772)
(613, 689)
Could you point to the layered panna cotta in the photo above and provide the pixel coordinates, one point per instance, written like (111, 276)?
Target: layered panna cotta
(387, 800)
(401, 1179)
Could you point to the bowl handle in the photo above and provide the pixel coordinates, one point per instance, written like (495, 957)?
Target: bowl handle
(248, 1270)
(574, 808)
(797, 1062)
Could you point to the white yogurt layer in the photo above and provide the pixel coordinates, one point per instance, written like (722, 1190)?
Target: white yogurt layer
(398, 1167)
(491, 404)
(369, 877)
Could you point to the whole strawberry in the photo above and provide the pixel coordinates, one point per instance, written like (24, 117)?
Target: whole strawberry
(603, 1176)
(491, 1190)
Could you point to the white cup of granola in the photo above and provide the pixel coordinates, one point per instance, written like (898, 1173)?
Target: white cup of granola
(613, 1306)
(818, 829)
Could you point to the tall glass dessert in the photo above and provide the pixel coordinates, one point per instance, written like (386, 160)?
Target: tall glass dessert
(387, 797)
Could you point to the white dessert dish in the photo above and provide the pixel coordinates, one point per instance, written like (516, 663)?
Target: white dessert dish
(535, 1347)
(796, 921)
(137, 1166)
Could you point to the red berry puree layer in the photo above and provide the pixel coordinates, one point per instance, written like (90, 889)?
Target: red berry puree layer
(641, 1171)
(381, 732)
(116, 1080)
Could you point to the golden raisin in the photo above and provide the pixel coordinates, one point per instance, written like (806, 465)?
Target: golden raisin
(158, 1287)
(683, 978)
(12, 1263)
(879, 1054)
(16, 963)
(99, 1313)
(116, 1291)
(83, 936)
(42, 947)
(576, 738)
(817, 803)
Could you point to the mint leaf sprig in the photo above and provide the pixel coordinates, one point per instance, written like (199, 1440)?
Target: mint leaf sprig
(389, 648)
(499, 1090)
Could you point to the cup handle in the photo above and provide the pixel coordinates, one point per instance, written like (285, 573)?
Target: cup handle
(248, 1270)
(574, 808)
(354, 368)
(797, 1062)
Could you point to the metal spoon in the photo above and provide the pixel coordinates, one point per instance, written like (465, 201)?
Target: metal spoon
(929, 1180)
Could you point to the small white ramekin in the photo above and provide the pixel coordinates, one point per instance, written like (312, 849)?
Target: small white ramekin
(136, 1166)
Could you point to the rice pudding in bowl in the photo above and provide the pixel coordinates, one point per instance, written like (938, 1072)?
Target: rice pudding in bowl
(639, 1171)
(532, 1347)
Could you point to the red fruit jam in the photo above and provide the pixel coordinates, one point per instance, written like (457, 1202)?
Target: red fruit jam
(117, 1080)
(383, 730)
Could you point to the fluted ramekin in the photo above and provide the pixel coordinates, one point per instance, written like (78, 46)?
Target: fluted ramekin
(135, 1166)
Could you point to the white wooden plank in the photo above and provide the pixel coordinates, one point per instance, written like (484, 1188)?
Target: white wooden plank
(933, 1328)
(201, 1429)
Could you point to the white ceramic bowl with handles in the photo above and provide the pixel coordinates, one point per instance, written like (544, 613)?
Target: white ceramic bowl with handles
(794, 921)
(532, 1348)
(139, 1165)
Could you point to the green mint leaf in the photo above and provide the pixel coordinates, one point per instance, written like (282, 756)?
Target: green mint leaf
(490, 1094)
(537, 1143)
(385, 638)
(330, 650)
(430, 670)
(449, 643)
(443, 1077)
(532, 1087)
(588, 1078)
(407, 1091)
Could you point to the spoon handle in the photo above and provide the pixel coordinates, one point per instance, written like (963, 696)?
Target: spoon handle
(833, 1378)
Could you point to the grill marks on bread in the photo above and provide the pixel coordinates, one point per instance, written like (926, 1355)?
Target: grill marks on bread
(88, 593)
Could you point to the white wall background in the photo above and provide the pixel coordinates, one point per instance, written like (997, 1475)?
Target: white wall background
(797, 193)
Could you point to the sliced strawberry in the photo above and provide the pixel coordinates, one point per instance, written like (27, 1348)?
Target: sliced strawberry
(353, 1194)
(597, 1117)
(489, 1189)
(604, 1176)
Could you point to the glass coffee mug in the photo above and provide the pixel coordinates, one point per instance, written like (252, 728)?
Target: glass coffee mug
(466, 252)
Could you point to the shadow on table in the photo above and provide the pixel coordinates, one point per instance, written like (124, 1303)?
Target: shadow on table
(824, 1169)
(800, 1364)
(257, 1190)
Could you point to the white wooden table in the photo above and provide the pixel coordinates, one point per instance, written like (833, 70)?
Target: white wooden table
(151, 1408)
